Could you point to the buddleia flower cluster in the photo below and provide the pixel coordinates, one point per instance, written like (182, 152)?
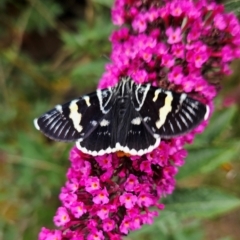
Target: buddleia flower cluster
(184, 46)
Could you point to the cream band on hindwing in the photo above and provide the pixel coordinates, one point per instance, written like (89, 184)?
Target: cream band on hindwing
(118, 147)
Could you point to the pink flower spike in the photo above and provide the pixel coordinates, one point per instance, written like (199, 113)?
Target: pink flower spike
(125, 225)
(128, 200)
(145, 199)
(103, 212)
(227, 54)
(46, 234)
(117, 17)
(139, 23)
(104, 161)
(200, 58)
(220, 22)
(148, 217)
(73, 185)
(174, 35)
(181, 46)
(176, 76)
(61, 218)
(178, 50)
(162, 156)
(92, 184)
(145, 166)
(167, 60)
(95, 235)
(169, 172)
(147, 55)
(120, 35)
(75, 155)
(140, 76)
(176, 9)
(179, 156)
(67, 198)
(188, 84)
(152, 14)
(233, 24)
(108, 225)
(136, 223)
(193, 34)
(162, 49)
(131, 182)
(101, 197)
(78, 209)
(107, 175)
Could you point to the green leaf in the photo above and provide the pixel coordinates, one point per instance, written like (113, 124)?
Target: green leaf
(88, 71)
(219, 122)
(31, 154)
(200, 202)
(226, 238)
(233, 6)
(169, 226)
(87, 37)
(206, 159)
(106, 3)
(187, 203)
(44, 15)
(3, 3)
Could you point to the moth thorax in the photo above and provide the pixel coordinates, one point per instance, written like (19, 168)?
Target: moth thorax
(122, 105)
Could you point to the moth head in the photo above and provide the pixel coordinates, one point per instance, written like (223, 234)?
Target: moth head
(126, 79)
(122, 154)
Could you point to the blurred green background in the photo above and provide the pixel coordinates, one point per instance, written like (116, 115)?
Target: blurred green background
(52, 51)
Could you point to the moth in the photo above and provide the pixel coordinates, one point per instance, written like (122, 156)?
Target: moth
(127, 117)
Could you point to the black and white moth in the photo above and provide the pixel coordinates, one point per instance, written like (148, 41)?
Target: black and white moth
(128, 117)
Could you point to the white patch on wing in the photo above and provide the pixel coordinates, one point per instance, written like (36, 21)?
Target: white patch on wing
(194, 105)
(165, 109)
(61, 129)
(187, 115)
(183, 120)
(56, 127)
(191, 110)
(35, 121)
(49, 115)
(51, 118)
(140, 88)
(146, 119)
(136, 121)
(100, 95)
(87, 100)
(207, 112)
(179, 126)
(75, 115)
(66, 131)
(156, 93)
(94, 123)
(104, 123)
(182, 98)
(58, 108)
(54, 122)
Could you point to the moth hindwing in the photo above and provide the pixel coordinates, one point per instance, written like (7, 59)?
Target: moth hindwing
(128, 117)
